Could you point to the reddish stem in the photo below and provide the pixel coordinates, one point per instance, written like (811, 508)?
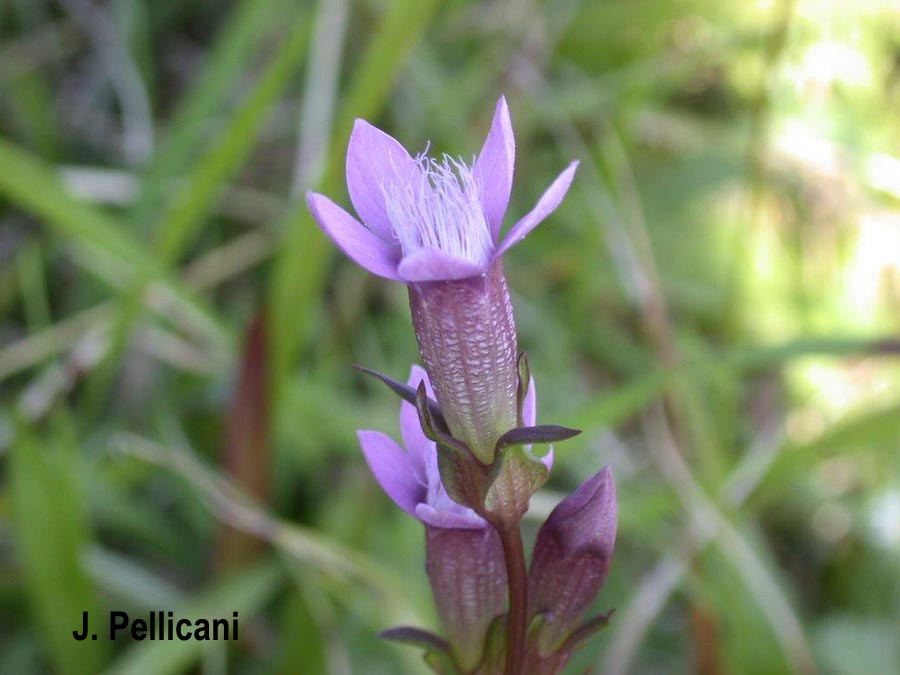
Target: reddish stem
(517, 576)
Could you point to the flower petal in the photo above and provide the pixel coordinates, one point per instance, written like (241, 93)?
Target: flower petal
(546, 205)
(349, 235)
(392, 468)
(493, 170)
(529, 417)
(529, 406)
(430, 264)
(417, 445)
(457, 520)
(548, 459)
(375, 160)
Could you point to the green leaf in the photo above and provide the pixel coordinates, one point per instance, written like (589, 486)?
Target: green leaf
(33, 186)
(51, 523)
(242, 34)
(232, 146)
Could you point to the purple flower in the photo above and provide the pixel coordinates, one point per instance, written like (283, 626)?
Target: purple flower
(434, 224)
(571, 558)
(429, 219)
(411, 477)
(464, 558)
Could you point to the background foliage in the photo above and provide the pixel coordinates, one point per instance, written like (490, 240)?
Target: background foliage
(715, 304)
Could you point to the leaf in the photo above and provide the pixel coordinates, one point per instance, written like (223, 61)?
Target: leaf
(415, 636)
(494, 655)
(465, 479)
(51, 523)
(243, 32)
(33, 186)
(232, 146)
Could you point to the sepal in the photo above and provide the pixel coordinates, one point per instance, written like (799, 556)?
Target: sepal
(515, 476)
(466, 480)
(438, 654)
(408, 394)
(586, 631)
(464, 477)
(433, 427)
(542, 433)
(494, 656)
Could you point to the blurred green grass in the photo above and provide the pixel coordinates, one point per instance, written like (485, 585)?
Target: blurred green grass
(715, 304)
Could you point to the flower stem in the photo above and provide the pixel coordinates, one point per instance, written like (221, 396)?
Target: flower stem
(517, 576)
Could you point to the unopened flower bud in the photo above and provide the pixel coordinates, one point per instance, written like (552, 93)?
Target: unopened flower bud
(572, 555)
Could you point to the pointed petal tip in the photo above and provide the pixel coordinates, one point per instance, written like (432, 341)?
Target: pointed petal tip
(362, 126)
(494, 167)
(547, 204)
(416, 374)
(502, 107)
(587, 518)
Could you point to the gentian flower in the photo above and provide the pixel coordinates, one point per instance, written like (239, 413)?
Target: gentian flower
(467, 471)
(410, 477)
(435, 224)
(464, 558)
(572, 556)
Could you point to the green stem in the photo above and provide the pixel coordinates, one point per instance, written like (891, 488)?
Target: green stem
(517, 576)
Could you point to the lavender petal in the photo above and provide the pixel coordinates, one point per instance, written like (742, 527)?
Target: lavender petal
(392, 468)
(493, 169)
(546, 205)
(414, 440)
(349, 235)
(375, 161)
